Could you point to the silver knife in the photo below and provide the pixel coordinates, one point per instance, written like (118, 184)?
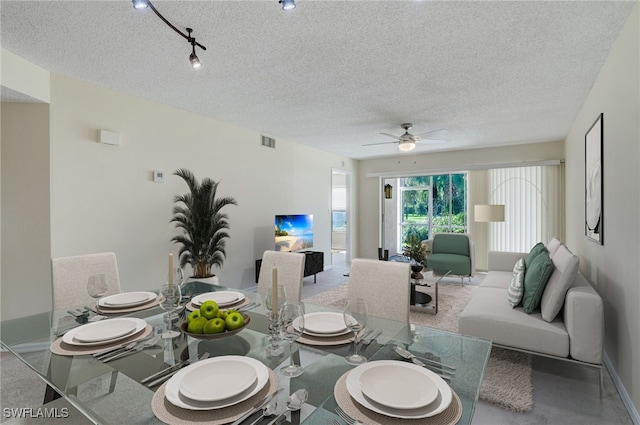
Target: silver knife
(166, 370)
(377, 334)
(257, 407)
(409, 355)
(169, 375)
(364, 337)
(277, 419)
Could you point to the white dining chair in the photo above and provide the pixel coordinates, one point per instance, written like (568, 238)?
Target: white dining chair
(70, 275)
(384, 285)
(290, 267)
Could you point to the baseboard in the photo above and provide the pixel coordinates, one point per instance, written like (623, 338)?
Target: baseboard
(624, 395)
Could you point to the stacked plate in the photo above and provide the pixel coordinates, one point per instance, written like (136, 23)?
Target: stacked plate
(398, 389)
(323, 324)
(104, 332)
(126, 301)
(224, 299)
(216, 383)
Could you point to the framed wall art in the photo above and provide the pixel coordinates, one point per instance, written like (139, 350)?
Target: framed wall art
(593, 182)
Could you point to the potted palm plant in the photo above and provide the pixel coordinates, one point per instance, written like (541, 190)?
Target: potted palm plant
(198, 214)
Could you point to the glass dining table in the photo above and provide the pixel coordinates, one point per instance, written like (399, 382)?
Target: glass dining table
(84, 381)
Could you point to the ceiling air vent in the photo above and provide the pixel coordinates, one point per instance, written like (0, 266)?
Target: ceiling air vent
(268, 142)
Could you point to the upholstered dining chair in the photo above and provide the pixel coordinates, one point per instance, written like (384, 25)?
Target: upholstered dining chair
(70, 275)
(385, 286)
(69, 284)
(290, 267)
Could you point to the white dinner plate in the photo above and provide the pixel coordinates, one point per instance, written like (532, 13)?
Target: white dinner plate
(398, 386)
(104, 331)
(324, 323)
(442, 401)
(222, 298)
(69, 337)
(126, 299)
(220, 380)
(173, 395)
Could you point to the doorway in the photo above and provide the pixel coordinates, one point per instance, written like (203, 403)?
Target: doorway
(340, 217)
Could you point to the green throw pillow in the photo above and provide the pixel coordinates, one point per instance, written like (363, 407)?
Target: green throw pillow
(537, 249)
(535, 280)
(516, 288)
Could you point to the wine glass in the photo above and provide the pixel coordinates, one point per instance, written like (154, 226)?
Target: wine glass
(268, 299)
(355, 317)
(292, 325)
(97, 287)
(170, 296)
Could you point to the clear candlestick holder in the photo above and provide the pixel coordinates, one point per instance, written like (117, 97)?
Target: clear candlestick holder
(274, 348)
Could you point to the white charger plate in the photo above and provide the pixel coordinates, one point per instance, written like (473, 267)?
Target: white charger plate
(69, 337)
(220, 380)
(397, 386)
(105, 330)
(173, 395)
(126, 299)
(324, 323)
(222, 298)
(442, 401)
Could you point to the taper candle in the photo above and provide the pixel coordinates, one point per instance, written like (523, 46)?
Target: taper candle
(274, 295)
(170, 269)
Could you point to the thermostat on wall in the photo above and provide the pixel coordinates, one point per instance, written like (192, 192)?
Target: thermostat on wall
(158, 176)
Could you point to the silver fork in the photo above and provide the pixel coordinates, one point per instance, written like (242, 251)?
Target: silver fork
(348, 419)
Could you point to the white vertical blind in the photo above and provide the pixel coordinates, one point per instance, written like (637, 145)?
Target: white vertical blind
(534, 206)
(339, 198)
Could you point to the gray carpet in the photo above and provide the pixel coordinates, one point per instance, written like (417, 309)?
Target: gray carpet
(507, 382)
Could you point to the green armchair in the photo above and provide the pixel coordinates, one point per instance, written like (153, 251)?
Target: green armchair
(452, 251)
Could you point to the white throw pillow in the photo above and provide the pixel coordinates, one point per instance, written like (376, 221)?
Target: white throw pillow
(553, 245)
(516, 288)
(566, 268)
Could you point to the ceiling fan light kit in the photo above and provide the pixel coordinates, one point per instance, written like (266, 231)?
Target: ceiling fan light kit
(193, 58)
(407, 142)
(406, 146)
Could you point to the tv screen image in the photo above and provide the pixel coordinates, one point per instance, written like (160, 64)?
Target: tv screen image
(294, 232)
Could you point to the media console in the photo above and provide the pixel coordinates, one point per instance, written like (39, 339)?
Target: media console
(313, 264)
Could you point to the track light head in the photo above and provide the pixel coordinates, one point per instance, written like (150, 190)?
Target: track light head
(195, 62)
(287, 4)
(140, 4)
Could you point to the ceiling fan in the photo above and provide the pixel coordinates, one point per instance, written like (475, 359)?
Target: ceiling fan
(407, 142)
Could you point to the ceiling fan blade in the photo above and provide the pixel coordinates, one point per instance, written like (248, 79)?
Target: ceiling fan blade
(381, 143)
(432, 141)
(433, 133)
(390, 135)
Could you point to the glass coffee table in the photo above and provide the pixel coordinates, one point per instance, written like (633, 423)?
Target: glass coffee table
(426, 299)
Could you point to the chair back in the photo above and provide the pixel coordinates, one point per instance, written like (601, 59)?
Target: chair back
(452, 243)
(70, 275)
(290, 267)
(385, 285)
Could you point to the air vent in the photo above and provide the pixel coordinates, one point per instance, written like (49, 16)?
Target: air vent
(268, 142)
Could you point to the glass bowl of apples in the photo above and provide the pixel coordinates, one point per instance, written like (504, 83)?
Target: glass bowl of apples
(210, 322)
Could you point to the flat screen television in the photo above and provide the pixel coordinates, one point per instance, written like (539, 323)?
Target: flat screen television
(294, 232)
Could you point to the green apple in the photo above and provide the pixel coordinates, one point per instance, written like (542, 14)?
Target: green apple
(193, 315)
(209, 309)
(196, 325)
(234, 321)
(214, 326)
(222, 314)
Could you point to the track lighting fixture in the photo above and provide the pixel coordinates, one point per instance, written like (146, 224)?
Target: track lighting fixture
(193, 58)
(287, 4)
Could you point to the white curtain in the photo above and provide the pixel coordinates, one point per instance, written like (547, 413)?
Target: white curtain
(534, 206)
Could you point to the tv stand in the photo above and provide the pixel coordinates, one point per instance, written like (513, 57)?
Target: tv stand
(313, 264)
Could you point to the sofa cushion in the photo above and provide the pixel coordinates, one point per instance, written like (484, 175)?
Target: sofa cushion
(497, 279)
(553, 245)
(516, 288)
(488, 316)
(535, 279)
(564, 274)
(537, 249)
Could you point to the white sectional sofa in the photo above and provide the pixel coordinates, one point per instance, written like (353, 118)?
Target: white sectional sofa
(575, 333)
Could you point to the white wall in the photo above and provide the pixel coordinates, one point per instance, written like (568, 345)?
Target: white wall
(26, 236)
(613, 268)
(370, 191)
(104, 199)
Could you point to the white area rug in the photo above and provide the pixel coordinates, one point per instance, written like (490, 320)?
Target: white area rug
(507, 381)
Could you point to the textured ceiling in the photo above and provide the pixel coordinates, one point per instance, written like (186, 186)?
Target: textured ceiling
(334, 74)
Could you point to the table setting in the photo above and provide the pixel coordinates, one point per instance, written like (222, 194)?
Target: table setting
(127, 302)
(217, 390)
(100, 336)
(226, 300)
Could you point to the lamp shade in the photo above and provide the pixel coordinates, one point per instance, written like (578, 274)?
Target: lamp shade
(489, 213)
